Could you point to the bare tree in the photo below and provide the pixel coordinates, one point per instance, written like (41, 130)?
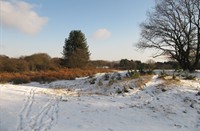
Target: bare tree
(173, 28)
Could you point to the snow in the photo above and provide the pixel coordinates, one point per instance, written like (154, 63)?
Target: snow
(78, 105)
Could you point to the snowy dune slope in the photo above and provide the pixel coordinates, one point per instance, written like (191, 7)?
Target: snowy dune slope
(79, 105)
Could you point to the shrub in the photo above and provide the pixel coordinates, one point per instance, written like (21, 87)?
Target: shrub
(174, 77)
(136, 75)
(119, 77)
(106, 77)
(91, 76)
(100, 83)
(43, 79)
(71, 78)
(20, 80)
(125, 90)
(150, 72)
(111, 82)
(190, 77)
(198, 93)
(112, 77)
(118, 91)
(92, 81)
(129, 73)
(162, 74)
(133, 74)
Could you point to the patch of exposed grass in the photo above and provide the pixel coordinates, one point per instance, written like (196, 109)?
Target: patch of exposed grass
(169, 80)
(141, 82)
(111, 82)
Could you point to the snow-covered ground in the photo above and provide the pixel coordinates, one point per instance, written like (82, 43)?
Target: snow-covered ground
(101, 103)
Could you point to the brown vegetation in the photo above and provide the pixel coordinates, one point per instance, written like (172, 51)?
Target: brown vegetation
(48, 76)
(141, 82)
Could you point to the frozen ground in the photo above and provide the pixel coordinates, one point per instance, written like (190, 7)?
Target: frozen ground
(95, 104)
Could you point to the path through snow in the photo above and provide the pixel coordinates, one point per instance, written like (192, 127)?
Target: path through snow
(43, 117)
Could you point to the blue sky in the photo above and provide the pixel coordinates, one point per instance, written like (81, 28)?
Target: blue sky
(110, 26)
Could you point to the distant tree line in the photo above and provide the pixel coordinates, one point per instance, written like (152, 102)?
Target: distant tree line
(43, 62)
(126, 64)
(35, 62)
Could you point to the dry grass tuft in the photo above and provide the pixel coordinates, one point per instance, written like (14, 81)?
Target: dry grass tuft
(169, 80)
(141, 82)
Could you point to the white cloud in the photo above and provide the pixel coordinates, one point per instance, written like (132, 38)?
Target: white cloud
(20, 15)
(101, 34)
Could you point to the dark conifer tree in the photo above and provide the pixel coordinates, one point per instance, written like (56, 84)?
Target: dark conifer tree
(75, 50)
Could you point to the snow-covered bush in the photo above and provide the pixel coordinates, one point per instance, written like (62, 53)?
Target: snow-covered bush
(118, 91)
(119, 77)
(92, 81)
(100, 83)
(106, 77)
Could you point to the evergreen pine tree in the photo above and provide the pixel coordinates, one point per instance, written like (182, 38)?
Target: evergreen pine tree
(75, 50)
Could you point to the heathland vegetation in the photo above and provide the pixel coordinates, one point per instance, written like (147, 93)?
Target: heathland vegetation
(42, 68)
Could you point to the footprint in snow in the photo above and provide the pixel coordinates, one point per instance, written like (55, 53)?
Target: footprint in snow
(178, 126)
(110, 129)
